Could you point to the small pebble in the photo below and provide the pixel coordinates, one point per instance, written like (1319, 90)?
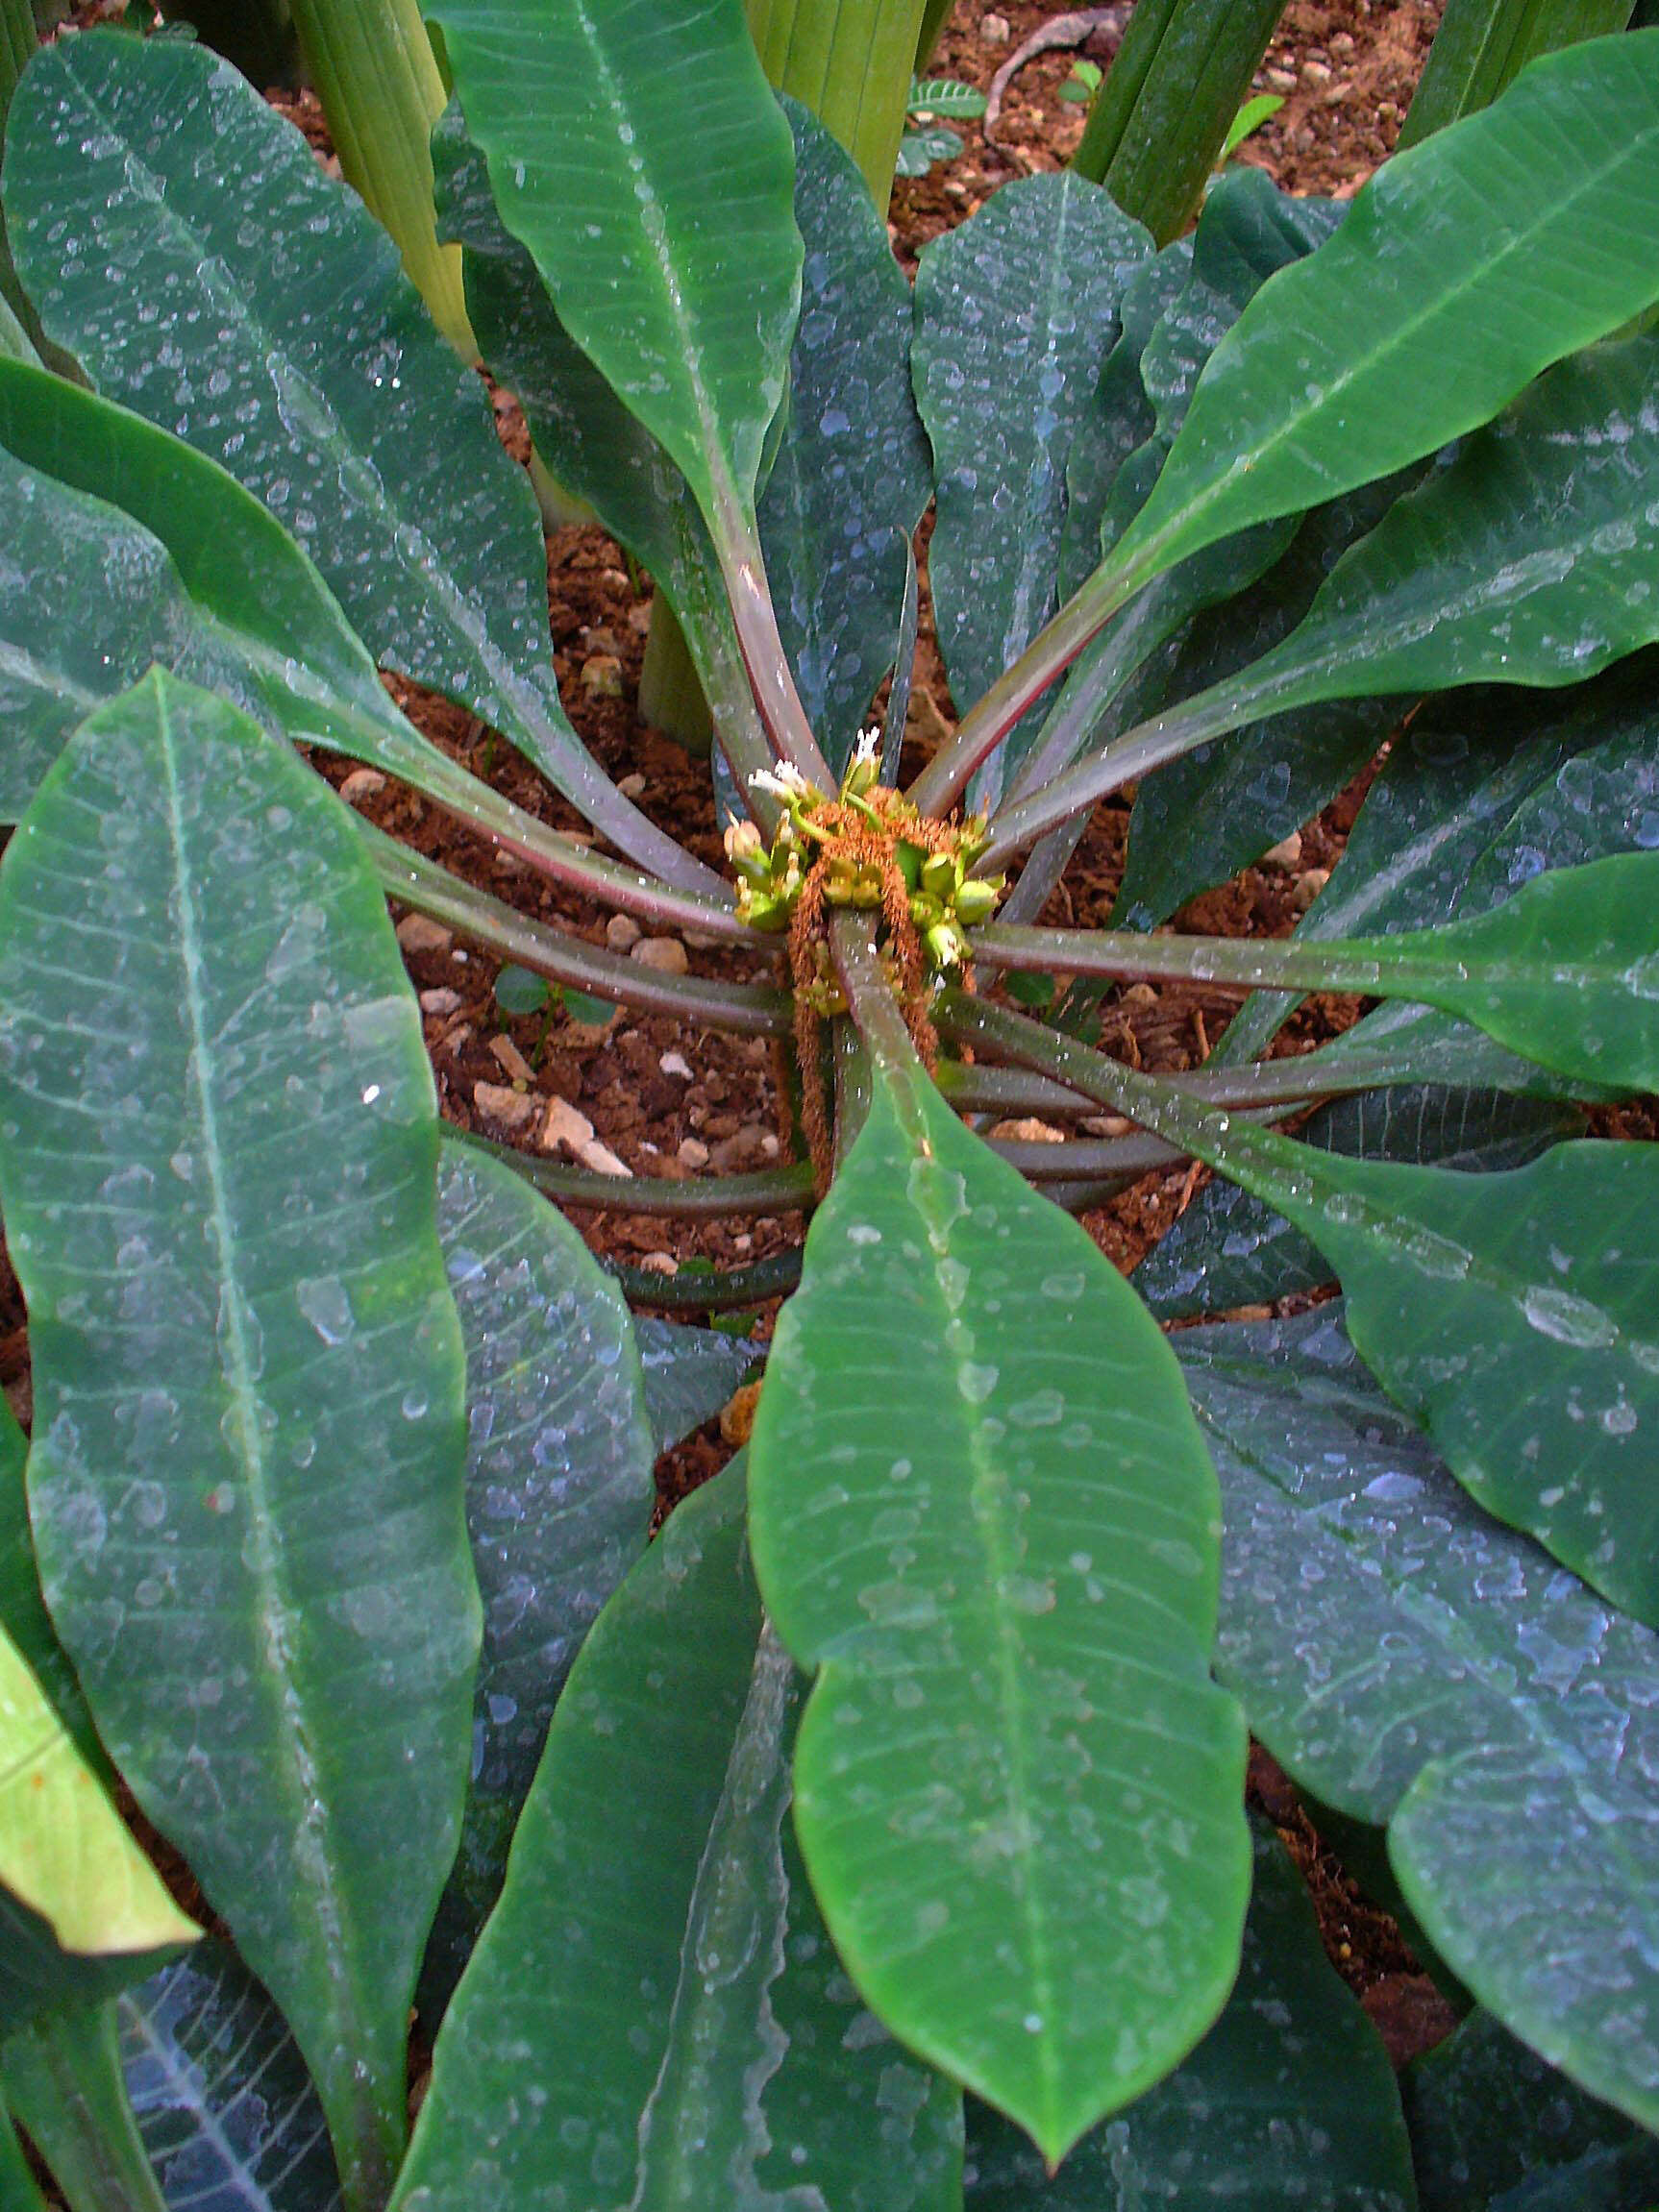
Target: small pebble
(743, 1242)
(632, 786)
(1030, 1130)
(419, 933)
(1106, 1125)
(995, 30)
(660, 1263)
(564, 1128)
(1286, 854)
(693, 1152)
(362, 783)
(602, 675)
(443, 1000)
(700, 940)
(601, 1159)
(510, 1057)
(666, 954)
(512, 1109)
(1307, 887)
(622, 932)
(676, 1063)
(1140, 994)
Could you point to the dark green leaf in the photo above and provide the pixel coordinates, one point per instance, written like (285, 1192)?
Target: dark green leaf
(19, 2191)
(1289, 2098)
(1495, 2130)
(1230, 1249)
(851, 476)
(1462, 269)
(559, 1493)
(217, 1154)
(920, 151)
(519, 991)
(224, 2104)
(670, 253)
(689, 1374)
(1017, 1789)
(657, 1957)
(1391, 1642)
(1015, 312)
(277, 334)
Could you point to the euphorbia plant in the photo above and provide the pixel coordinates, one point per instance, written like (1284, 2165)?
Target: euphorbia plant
(909, 1761)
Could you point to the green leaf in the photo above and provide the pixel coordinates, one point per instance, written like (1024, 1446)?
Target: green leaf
(23, 1614)
(1495, 2130)
(19, 2191)
(1016, 311)
(1289, 2098)
(217, 1153)
(1018, 1791)
(1462, 269)
(670, 253)
(559, 1491)
(1480, 45)
(656, 1959)
(517, 991)
(945, 96)
(278, 334)
(64, 2078)
(223, 2101)
(65, 1855)
(1230, 1249)
(851, 476)
(689, 1374)
(1393, 1644)
(920, 151)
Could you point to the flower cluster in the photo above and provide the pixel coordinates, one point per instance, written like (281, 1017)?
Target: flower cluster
(860, 848)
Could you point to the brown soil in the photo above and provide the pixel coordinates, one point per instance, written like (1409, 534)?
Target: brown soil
(667, 1102)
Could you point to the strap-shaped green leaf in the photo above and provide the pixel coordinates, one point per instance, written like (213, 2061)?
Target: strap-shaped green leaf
(654, 2015)
(669, 245)
(1393, 1644)
(559, 1491)
(1289, 2098)
(224, 2104)
(1464, 268)
(981, 1516)
(218, 1156)
(277, 334)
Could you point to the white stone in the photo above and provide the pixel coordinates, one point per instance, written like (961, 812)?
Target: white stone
(676, 1063)
(621, 932)
(419, 933)
(666, 954)
(362, 783)
(601, 1159)
(442, 1000)
(564, 1128)
(512, 1109)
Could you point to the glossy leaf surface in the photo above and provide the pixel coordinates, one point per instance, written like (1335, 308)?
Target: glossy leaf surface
(671, 254)
(1232, 1249)
(1016, 310)
(278, 334)
(1018, 1791)
(1288, 2101)
(1462, 269)
(23, 1614)
(1392, 1642)
(217, 1154)
(689, 1374)
(558, 1489)
(224, 2104)
(1495, 2130)
(657, 1956)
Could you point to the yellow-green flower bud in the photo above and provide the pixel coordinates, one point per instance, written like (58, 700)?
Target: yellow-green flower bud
(939, 874)
(975, 900)
(946, 946)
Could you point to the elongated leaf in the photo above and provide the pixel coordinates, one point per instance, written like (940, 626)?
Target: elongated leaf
(65, 1855)
(23, 1615)
(997, 1558)
(64, 2078)
(1495, 2130)
(280, 336)
(1015, 313)
(559, 1493)
(1230, 1249)
(1393, 1644)
(1480, 45)
(851, 476)
(1289, 2098)
(657, 1957)
(224, 2104)
(1462, 269)
(19, 2191)
(217, 1153)
(670, 253)
(689, 1374)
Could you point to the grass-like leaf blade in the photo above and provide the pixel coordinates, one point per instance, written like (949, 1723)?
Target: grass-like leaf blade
(981, 1516)
(218, 1164)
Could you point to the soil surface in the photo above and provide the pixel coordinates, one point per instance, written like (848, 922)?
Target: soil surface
(655, 1099)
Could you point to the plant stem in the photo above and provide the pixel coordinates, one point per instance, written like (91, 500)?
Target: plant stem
(770, 676)
(372, 64)
(746, 1008)
(716, 1294)
(851, 63)
(63, 2077)
(671, 697)
(1262, 964)
(786, 1189)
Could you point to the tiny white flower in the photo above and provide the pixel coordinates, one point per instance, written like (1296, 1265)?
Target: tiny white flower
(869, 741)
(785, 782)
